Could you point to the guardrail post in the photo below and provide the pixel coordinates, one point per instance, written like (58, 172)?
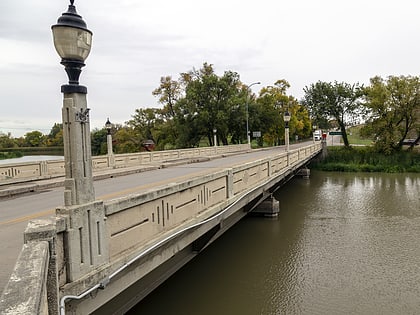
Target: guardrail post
(229, 183)
(86, 238)
(43, 168)
(45, 230)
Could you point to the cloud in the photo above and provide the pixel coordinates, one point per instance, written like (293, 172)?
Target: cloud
(137, 42)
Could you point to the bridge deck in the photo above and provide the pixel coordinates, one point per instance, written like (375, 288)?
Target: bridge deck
(217, 186)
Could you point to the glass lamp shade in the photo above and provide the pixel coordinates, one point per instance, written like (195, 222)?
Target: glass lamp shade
(72, 39)
(71, 42)
(286, 117)
(108, 124)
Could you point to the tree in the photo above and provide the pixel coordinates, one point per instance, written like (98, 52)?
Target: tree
(394, 111)
(208, 103)
(147, 125)
(340, 101)
(55, 137)
(34, 139)
(169, 93)
(6, 141)
(98, 141)
(272, 103)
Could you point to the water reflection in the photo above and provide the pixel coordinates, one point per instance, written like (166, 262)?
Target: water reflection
(343, 244)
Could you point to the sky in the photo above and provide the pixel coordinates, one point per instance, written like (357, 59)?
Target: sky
(136, 42)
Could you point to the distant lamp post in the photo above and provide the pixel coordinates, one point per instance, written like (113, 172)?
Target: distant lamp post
(215, 137)
(72, 41)
(286, 118)
(248, 136)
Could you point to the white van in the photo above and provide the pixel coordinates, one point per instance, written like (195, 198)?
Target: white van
(318, 135)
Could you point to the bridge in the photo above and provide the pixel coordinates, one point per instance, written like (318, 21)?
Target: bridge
(105, 255)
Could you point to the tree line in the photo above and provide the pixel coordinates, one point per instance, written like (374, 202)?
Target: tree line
(200, 102)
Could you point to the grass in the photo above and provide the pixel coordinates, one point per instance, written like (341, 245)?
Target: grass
(353, 134)
(365, 159)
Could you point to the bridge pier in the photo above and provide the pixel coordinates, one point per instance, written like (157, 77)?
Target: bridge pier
(270, 208)
(304, 172)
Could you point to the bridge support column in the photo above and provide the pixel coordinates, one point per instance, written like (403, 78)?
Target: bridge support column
(304, 172)
(270, 207)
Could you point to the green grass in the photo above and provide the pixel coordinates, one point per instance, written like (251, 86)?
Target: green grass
(365, 159)
(353, 134)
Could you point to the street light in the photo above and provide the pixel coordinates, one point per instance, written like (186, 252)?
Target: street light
(248, 136)
(72, 41)
(108, 127)
(215, 137)
(286, 118)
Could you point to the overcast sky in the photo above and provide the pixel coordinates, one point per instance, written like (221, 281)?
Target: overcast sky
(135, 42)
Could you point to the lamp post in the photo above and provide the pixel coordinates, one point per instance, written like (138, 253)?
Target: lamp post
(248, 136)
(72, 41)
(108, 127)
(215, 137)
(286, 118)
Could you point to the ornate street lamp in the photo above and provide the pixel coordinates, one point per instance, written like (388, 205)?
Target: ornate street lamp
(72, 41)
(108, 127)
(286, 118)
(248, 136)
(215, 137)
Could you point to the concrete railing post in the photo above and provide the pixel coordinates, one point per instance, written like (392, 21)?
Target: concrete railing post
(86, 238)
(45, 230)
(229, 180)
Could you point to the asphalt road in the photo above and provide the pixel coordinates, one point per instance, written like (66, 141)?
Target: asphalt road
(15, 213)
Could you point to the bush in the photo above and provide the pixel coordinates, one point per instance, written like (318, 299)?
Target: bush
(10, 155)
(366, 159)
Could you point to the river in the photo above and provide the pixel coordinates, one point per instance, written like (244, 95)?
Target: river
(32, 158)
(342, 244)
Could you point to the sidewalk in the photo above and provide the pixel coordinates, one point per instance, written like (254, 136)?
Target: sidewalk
(13, 189)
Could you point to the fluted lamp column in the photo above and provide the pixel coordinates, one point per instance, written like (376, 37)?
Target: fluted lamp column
(72, 41)
(286, 118)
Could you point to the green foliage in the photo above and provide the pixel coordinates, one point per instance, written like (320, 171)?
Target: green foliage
(367, 159)
(338, 101)
(270, 107)
(55, 137)
(6, 141)
(10, 155)
(98, 141)
(34, 139)
(394, 111)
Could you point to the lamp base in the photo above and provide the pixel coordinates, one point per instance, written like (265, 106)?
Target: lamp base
(73, 88)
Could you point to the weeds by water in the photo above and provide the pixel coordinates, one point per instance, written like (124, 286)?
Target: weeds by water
(10, 155)
(365, 159)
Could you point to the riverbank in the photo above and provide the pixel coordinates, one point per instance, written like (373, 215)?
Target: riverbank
(365, 159)
(10, 155)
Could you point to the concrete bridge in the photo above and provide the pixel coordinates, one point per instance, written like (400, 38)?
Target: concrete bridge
(104, 256)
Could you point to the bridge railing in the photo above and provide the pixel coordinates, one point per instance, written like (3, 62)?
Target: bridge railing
(92, 243)
(25, 171)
